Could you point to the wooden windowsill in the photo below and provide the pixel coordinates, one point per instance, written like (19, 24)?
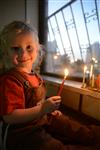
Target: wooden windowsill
(72, 85)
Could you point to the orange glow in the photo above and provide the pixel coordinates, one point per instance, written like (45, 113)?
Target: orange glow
(66, 72)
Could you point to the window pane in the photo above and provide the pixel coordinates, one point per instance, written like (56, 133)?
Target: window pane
(54, 5)
(73, 35)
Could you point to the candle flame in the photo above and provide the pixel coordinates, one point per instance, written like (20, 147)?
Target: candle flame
(66, 73)
(85, 68)
(55, 57)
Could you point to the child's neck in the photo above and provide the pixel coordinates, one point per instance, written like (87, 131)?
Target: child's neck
(23, 69)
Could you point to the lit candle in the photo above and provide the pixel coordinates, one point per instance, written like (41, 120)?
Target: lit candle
(91, 74)
(61, 86)
(88, 78)
(83, 83)
(92, 82)
(91, 71)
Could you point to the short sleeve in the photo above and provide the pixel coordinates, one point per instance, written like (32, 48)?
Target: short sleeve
(11, 95)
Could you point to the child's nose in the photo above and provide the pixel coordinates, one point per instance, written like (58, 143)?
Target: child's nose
(22, 51)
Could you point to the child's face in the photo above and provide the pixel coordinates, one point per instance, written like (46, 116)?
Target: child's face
(24, 50)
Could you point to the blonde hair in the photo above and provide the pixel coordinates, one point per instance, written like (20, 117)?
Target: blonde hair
(9, 32)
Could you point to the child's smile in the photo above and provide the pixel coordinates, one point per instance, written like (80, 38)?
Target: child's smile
(24, 51)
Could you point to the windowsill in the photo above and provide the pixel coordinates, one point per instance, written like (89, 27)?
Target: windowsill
(72, 85)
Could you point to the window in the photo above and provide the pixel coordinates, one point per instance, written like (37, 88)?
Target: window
(73, 36)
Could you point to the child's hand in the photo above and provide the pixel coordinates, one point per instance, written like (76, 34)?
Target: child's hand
(51, 104)
(56, 113)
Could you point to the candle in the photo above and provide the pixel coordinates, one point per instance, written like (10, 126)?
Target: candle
(91, 71)
(88, 77)
(83, 83)
(92, 82)
(62, 84)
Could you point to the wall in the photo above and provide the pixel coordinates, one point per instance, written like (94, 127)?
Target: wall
(19, 10)
(32, 12)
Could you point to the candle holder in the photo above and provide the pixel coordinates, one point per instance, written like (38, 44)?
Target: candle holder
(92, 80)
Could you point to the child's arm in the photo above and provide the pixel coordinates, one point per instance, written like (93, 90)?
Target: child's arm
(29, 114)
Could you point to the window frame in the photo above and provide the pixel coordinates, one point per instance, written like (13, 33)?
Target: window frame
(43, 29)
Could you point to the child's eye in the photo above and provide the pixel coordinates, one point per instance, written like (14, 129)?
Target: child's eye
(29, 48)
(16, 49)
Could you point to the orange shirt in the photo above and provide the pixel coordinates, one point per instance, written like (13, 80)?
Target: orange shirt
(12, 93)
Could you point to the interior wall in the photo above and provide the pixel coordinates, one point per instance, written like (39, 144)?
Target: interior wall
(11, 10)
(32, 12)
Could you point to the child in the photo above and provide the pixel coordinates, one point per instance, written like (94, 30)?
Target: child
(28, 120)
